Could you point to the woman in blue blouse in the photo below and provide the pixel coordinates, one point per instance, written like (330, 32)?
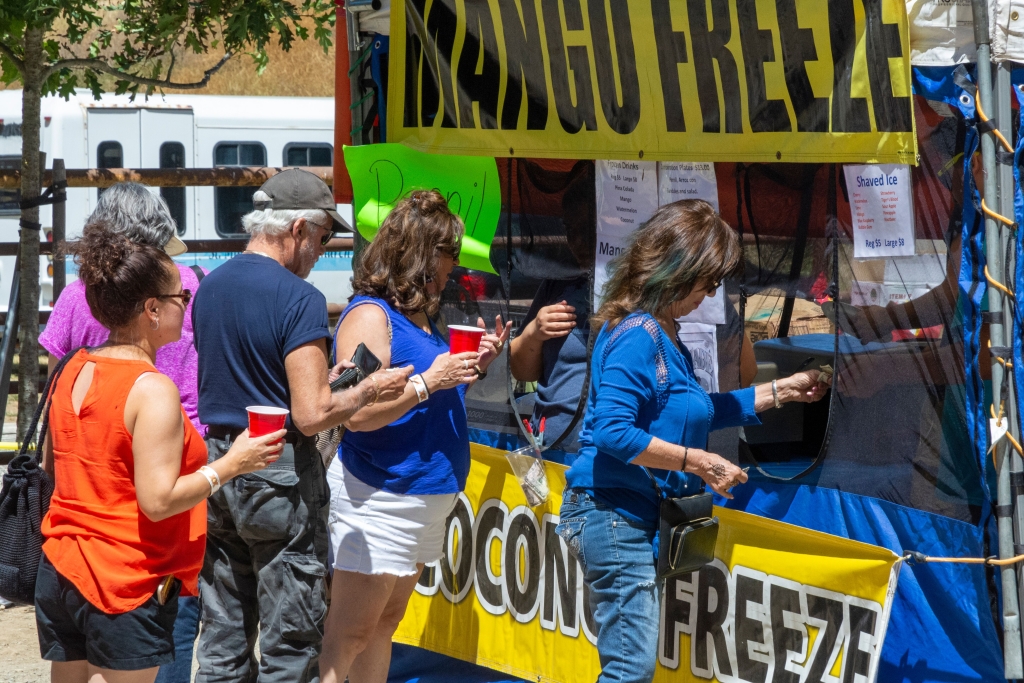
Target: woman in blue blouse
(646, 410)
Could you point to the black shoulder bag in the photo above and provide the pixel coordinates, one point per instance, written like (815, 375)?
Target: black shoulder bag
(24, 501)
(687, 532)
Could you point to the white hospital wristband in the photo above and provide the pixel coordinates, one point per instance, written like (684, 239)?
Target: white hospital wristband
(211, 478)
(420, 385)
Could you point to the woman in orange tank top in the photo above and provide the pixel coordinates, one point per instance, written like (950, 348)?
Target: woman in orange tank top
(126, 528)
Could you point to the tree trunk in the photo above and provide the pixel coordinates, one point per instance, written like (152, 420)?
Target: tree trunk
(31, 178)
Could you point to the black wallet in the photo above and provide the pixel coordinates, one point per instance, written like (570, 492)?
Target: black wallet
(688, 533)
(365, 364)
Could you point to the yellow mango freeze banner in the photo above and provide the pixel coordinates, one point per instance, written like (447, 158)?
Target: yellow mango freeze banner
(660, 80)
(509, 596)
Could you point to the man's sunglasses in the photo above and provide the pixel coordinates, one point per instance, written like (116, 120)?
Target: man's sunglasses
(185, 296)
(327, 238)
(329, 235)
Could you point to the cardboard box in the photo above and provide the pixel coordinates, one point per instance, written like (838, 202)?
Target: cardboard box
(764, 312)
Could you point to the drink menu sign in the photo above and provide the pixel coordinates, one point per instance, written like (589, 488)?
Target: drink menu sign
(627, 195)
(881, 204)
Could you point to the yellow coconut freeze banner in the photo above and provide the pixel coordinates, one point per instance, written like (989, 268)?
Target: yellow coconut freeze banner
(508, 595)
(661, 80)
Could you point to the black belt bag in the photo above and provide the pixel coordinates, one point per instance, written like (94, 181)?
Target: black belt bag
(687, 532)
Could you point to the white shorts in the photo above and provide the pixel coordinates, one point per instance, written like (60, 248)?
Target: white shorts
(377, 532)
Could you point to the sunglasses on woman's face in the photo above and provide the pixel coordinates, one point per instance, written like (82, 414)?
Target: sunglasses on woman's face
(185, 296)
(453, 253)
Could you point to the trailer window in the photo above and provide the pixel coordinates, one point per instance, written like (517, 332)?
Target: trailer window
(172, 155)
(10, 199)
(308, 154)
(231, 203)
(109, 155)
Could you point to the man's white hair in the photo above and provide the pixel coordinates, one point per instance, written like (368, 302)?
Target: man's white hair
(272, 222)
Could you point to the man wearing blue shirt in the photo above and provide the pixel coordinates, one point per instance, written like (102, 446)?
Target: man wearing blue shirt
(261, 332)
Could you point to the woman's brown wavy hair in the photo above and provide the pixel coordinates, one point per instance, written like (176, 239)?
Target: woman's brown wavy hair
(684, 244)
(403, 256)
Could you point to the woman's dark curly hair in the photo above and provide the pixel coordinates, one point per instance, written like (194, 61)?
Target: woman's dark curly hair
(119, 275)
(402, 258)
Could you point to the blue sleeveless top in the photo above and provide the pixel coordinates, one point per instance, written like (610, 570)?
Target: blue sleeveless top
(426, 451)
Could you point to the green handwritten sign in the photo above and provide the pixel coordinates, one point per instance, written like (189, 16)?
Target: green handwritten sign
(384, 174)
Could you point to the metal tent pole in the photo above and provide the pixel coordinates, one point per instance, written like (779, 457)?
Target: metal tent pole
(1007, 248)
(1013, 667)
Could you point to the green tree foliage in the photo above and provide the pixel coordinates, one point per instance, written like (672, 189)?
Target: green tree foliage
(128, 46)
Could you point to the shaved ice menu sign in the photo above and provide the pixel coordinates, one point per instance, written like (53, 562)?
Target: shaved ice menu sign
(881, 203)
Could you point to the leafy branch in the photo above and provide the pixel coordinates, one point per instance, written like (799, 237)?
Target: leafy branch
(100, 66)
(11, 55)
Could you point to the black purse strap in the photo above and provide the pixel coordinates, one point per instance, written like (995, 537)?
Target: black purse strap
(661, 494)
(581, 405)
(43, 409)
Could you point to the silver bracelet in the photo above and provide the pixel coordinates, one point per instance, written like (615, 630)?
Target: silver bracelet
(420, 385)
(211, 478)
(775, 394)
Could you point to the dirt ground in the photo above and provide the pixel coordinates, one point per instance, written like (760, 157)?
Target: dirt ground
(19, 649)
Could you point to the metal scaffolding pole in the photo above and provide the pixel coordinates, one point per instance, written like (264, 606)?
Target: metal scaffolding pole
(1013, 667)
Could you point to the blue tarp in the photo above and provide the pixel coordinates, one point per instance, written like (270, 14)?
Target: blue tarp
(941, 627)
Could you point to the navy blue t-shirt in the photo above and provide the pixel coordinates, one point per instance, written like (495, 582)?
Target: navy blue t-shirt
(249, 314)
(564, 366)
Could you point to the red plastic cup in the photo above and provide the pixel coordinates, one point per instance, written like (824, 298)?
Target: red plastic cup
(265, 419)
(462, 338)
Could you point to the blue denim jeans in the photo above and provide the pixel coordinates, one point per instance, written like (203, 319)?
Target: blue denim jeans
(186, 628)
(617, 558)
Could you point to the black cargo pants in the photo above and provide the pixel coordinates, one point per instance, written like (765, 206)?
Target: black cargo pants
(265, 570)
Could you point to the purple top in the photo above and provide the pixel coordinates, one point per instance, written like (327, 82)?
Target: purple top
(71, 325)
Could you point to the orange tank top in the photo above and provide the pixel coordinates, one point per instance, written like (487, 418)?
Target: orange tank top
(96, 535)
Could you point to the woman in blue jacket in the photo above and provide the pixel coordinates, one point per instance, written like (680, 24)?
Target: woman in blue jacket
(646, 410)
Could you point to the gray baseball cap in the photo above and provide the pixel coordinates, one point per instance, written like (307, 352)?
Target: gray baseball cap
(298, 190)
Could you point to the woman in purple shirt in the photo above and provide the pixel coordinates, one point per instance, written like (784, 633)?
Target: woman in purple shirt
(133, 210)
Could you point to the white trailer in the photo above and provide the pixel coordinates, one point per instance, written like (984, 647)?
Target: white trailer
(173, 131)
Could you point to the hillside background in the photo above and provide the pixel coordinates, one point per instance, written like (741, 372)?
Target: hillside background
(304, 71)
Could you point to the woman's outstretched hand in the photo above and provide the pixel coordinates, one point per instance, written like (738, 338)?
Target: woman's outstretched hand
(804, 387)
(492, 343)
